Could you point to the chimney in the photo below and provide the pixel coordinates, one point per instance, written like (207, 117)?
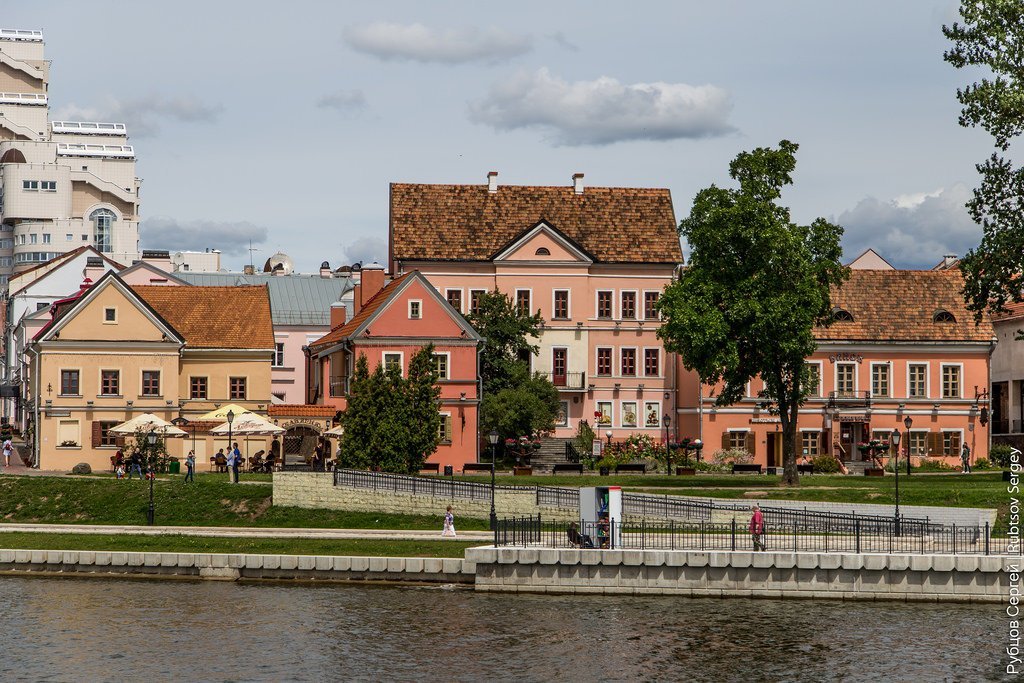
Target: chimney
(338, 314)
(371, 281)
(948, 260)
(249, 270)
(325, 270)
(577, 183)
(492, 182)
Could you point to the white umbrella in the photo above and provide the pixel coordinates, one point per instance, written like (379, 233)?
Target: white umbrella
(147, 422)
(335, 431)
(249, 424)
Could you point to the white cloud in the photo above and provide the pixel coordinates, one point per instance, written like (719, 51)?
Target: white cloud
(419, 43)
(230, 237)
(912, 230)
(143, 115)
(365, 250)
(604, 111)
(345, 101)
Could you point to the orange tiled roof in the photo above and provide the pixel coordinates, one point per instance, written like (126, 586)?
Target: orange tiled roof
(345, 330)
(214, 317)
(900, 305)
(300, 410)
(468, 223)
(1013, 310)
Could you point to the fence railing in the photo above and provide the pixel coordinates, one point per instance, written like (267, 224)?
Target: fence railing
(704, 536)
(419, 486)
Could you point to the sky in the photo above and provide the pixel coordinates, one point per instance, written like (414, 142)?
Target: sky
(284, 123)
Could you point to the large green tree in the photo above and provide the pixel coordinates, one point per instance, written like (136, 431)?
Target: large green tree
(992, 37)
(756, 286)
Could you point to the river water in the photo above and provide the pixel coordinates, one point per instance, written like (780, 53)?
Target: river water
(119, 630)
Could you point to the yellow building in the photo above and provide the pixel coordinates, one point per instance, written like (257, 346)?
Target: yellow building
(113, 352)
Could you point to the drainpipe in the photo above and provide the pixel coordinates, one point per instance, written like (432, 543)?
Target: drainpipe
(35, 409)
(988, 427)
(479, 396)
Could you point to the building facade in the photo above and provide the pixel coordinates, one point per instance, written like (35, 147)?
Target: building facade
(63, 184)
(592, 261)
(1007, 391)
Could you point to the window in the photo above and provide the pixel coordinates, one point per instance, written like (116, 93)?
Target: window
(562, 417)
(652, 414)
(604, 361)
(604, 413)
(813, 379)
(68, 237)
(46, 238)
(542, 251)
(627, 311)
(7, 243)
(737, 440)
(150, 382)
(917, 382)
(650, 305)
(883, 435)
(474, 300)
(950, 443)
(454, 297)
(68, 435)
(846, 379)
(110, 315)
(444, 430)
(604, 305)
(110, 382)
(415, 309)
(69, 383)
(441, 365)
(30, 185)
(103, 226)
(33, 239)
(628, 362)
(950, 381)
(6, 261)
(561, 311)
(393, 361)
(107, 437)
(48, 185)
(278, 355)
(880, 379)
(810, 443)
(841, 315)
(629, 414)
(197, 389)
(944, 317)
(236, 388)
(919, 443)
(85, 238)
(652, 362)
(523, 301)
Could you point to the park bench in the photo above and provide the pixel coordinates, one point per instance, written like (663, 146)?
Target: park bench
(434, 467)
(805, 469)
(739, 467)
(476, 467)
(568, 467)
(631, 467)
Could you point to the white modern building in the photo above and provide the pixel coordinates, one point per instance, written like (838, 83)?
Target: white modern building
(63, 184)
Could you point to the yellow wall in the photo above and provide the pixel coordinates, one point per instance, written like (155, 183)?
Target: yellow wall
(131, 325)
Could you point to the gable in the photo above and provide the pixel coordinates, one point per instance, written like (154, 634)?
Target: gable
(436, 319)
(86, 322)
(545, 244)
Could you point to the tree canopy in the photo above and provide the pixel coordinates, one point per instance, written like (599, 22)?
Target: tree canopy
(992, 37)
(755, 287)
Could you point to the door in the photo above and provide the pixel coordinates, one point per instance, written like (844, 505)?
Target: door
(849, 437)
(558, 367)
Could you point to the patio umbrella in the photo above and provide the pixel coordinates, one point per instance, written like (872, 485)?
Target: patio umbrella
(249, 424)
(222, 412)
(148, 422)
(335, 431)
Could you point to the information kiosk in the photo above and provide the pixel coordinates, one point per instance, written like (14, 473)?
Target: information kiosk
(601, 515)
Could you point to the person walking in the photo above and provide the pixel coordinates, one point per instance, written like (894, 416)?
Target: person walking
(449, 523)
(236, 461)
(757, 529)
(8, 449)
(135, 462)
(229, 463)
(965, 460)
(190, 467)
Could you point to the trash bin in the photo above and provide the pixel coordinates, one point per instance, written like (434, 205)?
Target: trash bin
(174, 467)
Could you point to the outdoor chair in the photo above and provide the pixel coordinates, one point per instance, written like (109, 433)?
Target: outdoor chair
(220, 463)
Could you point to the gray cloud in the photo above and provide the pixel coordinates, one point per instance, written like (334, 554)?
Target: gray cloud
(912, 231)
(559, 39)
(345, 101)
(419, 43)
(365, 250)
(143, 115)
(604, 111)
(230, 237)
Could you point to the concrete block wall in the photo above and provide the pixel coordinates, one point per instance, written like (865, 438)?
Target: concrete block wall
(960, 578)
(317, 490)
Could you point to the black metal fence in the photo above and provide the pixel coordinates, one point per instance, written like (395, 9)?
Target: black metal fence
(419, 486)
(613, 534)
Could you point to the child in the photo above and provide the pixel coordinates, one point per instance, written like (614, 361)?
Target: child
(449, 523)
(120, 471)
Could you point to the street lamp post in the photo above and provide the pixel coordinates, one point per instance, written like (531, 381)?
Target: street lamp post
(908, 423)
(608, 435)
(697, 445)
(151, 442)
(668, 449)
(234, 467)
(896, 469)
(493, 438)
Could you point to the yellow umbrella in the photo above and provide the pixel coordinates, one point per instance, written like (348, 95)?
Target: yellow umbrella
(222, 412)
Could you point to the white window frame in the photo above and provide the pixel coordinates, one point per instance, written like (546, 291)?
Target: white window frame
(642, 305)
(637, 413)
(69, 237)
(960, 380)
(76, 426)
(447, 415)
(927, 378)
(922, 430)
(958, 430)
(888, 366)
(810, 430)
(99, 382)
(597, 361)
(462, 298)
(738, 430)
(418, 304)
(60, 382)
(644, 414)
(401, 360)
(278, 354)
(469, 301)
(109, 308)
(611, 413)
(160, 382)
(30, 185)
(597, 299)
(247, 387)
(565, 423)
(821, 378)
(515, 299)
(835, 377)
(568, 303)
(636, 362)
(642, 372)
(637, 304)
(48, 185)
(447, 364)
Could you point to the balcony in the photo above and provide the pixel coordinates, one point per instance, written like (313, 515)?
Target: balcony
(89, 128)
(567, 381)
(32, 36)
(339, 387)
(838, 400)
(38, 99)
(68, 149)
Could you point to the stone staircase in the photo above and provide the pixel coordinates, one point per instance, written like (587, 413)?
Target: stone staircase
(551, 453)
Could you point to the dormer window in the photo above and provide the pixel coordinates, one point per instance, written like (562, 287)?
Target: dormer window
(841, 315)
(415, 307)
(943, 316)
(542, 251)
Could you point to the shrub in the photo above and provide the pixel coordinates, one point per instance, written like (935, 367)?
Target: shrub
(982, 464)
(825, 464)
(999, 454)
(68, 444)
(705, 466)
(732, 456)
(933, 465)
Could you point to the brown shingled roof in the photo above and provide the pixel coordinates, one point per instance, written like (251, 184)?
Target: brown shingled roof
(900, 305)
(468, 223)
(300, 410)
(345, 330)
(214, 317)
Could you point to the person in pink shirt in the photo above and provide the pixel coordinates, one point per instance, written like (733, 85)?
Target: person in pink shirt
(757, 529)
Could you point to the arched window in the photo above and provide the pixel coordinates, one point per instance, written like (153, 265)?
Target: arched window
(542, 251)
(943, 317)
(103, 229)
(841, 315)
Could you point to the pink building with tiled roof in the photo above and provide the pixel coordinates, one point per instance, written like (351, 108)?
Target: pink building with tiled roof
(592, 260)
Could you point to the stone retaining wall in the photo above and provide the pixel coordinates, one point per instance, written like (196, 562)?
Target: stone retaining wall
(317, 490)
(233, 567)
(960, 578)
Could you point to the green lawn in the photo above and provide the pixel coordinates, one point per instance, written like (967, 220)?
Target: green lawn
(210, 501)
(263, 546)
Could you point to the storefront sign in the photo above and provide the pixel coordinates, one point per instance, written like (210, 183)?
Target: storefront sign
(853, 418)
(764, 420)
(846, 358)
(302, 423)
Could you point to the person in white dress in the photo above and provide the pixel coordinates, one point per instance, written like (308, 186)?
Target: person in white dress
(449, 523)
